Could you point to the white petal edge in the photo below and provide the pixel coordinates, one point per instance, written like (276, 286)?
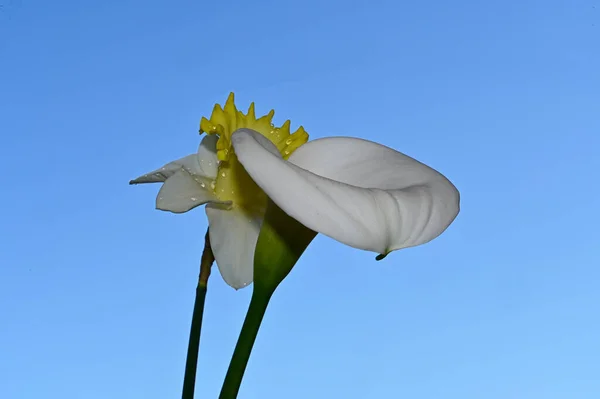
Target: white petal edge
(203, 163)
(355, 191)
(233, 236)
(183, 192)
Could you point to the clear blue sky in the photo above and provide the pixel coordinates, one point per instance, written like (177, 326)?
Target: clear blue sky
(503, 97)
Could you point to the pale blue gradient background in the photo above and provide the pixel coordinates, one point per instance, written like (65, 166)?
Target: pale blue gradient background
(503, 97)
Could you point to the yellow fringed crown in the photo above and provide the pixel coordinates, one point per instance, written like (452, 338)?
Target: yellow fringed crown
(225, 121)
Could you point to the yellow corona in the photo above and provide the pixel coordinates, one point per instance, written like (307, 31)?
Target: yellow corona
(232, 182)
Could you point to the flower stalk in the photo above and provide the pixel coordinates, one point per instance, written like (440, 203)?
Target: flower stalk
(189, 380)
(241, 355)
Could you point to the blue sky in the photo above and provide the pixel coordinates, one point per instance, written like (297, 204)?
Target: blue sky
(96, 287)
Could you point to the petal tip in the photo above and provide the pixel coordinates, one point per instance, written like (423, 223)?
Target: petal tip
(240, 286)
(381, 256)
(140, 180)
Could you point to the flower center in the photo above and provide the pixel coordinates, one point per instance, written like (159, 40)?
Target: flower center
(233, 182)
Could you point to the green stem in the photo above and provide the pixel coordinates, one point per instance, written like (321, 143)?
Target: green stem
(189, 379)
(235, 373)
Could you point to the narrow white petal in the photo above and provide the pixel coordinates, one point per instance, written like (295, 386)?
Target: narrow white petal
(182, 192)
(233, 236)
(162, 174)
(358, 192)
(203, 163)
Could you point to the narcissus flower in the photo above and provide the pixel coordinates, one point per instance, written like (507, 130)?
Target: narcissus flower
(355, 191)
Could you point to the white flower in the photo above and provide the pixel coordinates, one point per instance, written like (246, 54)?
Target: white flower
(355, 191)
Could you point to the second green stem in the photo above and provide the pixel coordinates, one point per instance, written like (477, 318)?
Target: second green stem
(189, 379)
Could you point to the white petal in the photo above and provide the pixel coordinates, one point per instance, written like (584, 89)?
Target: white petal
(233, 236)
(208, 163)
(203, 163)
(358, 192)
(162, 174)
(182, 192)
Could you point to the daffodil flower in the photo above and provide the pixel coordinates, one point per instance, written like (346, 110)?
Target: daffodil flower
(355, 191)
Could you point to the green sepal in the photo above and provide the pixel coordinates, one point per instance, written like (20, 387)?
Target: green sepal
(281, 242)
